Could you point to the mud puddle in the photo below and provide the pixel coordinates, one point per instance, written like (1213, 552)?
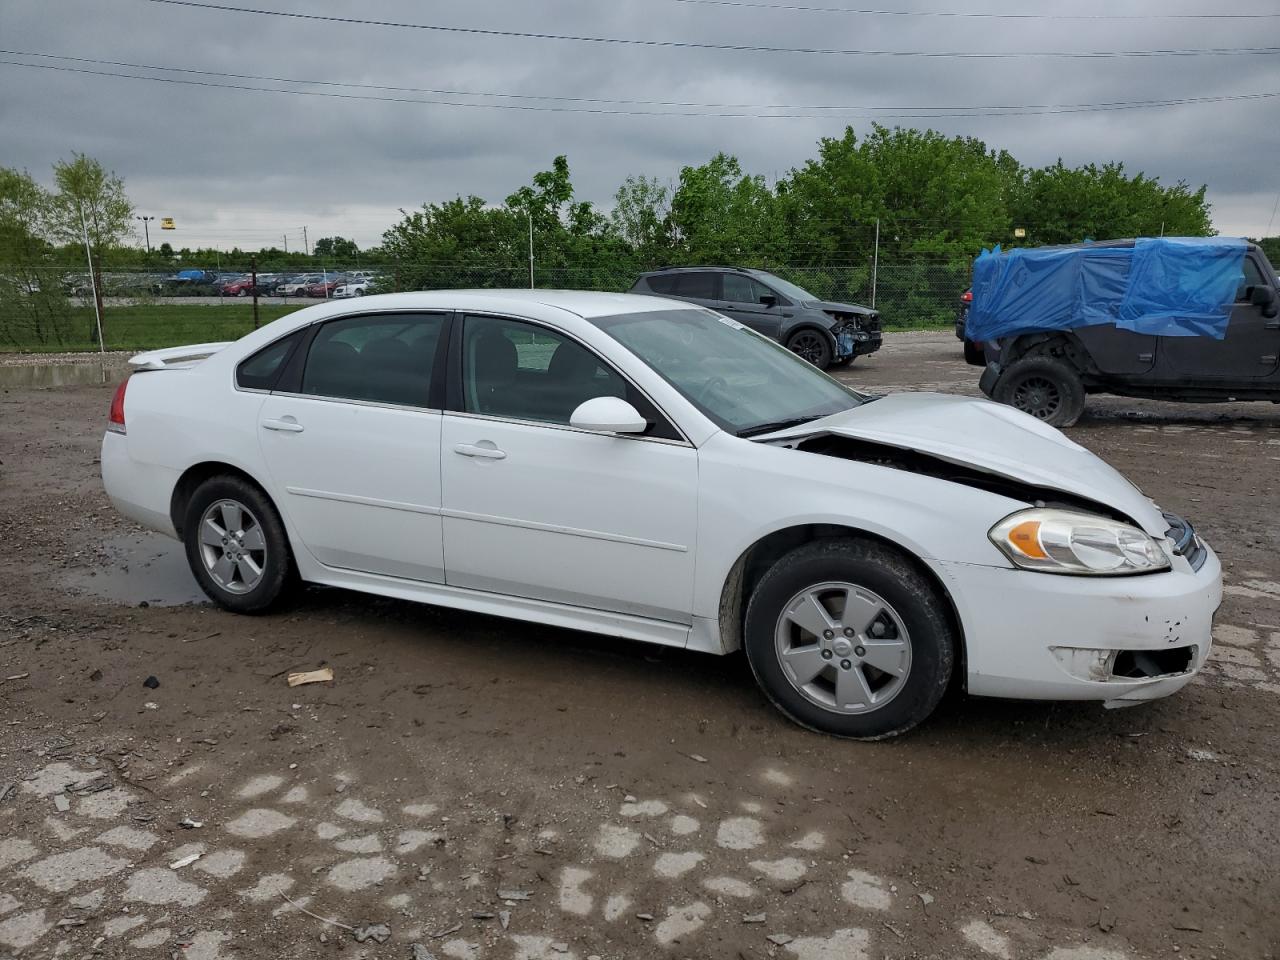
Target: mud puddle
(140, 568)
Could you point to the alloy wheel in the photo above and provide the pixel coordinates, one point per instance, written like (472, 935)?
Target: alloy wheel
(808, 346)
(1038, 396)
(843, 647)
(232, 546)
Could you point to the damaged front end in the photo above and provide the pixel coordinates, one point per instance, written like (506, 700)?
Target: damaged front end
(856, 333)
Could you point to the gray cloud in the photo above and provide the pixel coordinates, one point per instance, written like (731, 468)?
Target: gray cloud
(239, 167)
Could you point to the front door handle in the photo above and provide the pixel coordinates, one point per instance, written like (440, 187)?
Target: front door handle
(287, 425)
(484, 450)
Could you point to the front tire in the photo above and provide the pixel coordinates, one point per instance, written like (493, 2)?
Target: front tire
(236, 545)
(1044, 387)
(847, 637)
(811, 345)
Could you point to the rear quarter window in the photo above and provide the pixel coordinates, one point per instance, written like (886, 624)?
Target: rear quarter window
(262, 370)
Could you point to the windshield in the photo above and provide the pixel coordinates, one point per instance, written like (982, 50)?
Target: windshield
(745, 383)
(786, 288)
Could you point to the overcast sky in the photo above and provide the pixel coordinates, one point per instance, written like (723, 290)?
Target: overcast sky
(245, 167)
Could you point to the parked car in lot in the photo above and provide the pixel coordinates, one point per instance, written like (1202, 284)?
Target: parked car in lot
(354, 287)
(324, 287)
(239, 286)
(640, 468)
(826, 334)
(297, 286)
(1048, 372)
(973, 353)
(186, 281)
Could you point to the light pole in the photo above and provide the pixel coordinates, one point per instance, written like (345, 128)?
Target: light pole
(146, 229)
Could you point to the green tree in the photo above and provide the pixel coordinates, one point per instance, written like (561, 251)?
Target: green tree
(1060, 204)
(86, 190)
(459, 243)
(336, 248)
(33, 307)
(719, 214)
(641, 219)
(933, 195)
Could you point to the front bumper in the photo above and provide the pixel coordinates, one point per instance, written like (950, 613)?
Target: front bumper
(857, 343)
(1039, 636)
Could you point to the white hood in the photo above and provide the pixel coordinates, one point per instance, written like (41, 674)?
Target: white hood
(990, 437)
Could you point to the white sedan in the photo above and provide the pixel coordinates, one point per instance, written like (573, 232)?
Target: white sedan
(352, 288)
(642, 469)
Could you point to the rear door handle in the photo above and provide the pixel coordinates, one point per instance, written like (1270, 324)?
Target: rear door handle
(287, 425)
(484, 450)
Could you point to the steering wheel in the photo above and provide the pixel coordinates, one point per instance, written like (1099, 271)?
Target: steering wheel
(711, 385)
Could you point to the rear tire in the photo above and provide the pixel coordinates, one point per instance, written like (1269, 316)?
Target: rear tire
(236, 545)
(813, 346)
(1044, 387)
(875, 606)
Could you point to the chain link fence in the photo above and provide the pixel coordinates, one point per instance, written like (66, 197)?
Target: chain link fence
(51, 307)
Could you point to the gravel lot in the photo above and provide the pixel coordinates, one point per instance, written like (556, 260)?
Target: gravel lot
(488, 789)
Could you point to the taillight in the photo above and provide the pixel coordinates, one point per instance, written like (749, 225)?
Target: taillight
(967, 296)
(115, 419)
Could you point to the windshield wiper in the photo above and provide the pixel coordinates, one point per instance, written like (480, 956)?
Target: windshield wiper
(762, 428)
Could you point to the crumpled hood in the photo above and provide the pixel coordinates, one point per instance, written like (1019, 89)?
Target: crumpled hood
(850, 308)
(990, 437)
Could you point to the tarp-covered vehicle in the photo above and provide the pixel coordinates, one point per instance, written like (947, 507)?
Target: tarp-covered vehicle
(1175, 318)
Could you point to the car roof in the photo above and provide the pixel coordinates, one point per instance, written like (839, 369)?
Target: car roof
(535, 304)
(695, 268)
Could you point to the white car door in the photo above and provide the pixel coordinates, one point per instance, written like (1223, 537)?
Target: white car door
(535, 508)
(354, 448)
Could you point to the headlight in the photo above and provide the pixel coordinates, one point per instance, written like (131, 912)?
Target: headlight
(1062, 541)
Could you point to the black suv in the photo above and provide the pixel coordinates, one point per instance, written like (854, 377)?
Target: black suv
(825, 334)
(1048, 374)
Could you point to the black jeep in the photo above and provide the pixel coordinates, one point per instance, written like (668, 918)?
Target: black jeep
(1048, 373)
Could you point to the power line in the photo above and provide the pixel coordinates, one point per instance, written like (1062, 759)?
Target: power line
(736, 47)
(905, 113)
(631, 102)
(860, 11)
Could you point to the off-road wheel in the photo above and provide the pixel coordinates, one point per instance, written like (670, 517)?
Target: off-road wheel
(1047, 388)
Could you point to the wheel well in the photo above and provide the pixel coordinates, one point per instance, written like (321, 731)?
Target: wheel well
(192, 478)
(1058, 345)
(802, 327)
(765, 552)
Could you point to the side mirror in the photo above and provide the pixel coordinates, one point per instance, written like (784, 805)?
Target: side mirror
(608, 415)
(769, 300)
(1261, 295)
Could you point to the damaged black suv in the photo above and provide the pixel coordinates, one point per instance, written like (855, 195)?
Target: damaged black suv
(826, 334)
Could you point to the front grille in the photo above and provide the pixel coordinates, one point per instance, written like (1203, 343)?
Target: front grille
(1185, 542)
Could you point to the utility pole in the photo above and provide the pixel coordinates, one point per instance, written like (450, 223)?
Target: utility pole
(146, 231)
(93, 283)
(253, 278)
(285, 237)
(306, 246)
(875, 265)
(530, 249)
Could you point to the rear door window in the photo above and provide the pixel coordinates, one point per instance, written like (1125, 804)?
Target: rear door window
(385, 358)
(697, 286)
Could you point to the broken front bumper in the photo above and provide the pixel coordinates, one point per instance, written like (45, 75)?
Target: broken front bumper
(857, 343)
(1117, 639)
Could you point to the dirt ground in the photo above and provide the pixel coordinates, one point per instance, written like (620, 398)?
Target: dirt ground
(489, 789)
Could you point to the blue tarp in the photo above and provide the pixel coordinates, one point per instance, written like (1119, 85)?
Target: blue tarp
(1169, 287)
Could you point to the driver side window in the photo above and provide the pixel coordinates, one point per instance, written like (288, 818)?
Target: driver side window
(522, 371)
(740, 289)
(1252, 276)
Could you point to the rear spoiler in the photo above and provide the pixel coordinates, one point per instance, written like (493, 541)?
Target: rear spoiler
(160, 359)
